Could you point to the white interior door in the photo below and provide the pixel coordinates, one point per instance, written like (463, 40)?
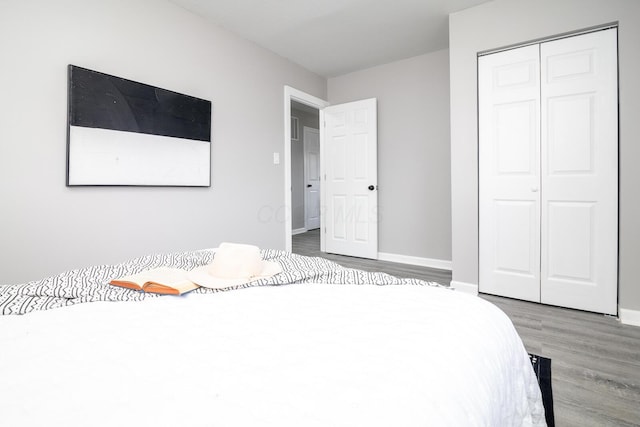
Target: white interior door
(508, 156)
(579, 89)
(311, 141)
(350, 193)
(548, 170)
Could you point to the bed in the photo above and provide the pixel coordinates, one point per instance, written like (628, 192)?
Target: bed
(316, 345)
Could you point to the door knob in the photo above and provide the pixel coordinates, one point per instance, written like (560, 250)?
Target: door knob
(371, 188)
(309, 186)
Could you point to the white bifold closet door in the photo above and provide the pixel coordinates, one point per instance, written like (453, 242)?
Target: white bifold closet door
(548, 172)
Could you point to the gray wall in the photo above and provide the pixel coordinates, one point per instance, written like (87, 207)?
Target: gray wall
(506, 22)
(297, 166)
(413, 151)
(45, 227)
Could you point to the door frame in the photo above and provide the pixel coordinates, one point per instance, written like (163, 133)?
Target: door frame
(292, 94)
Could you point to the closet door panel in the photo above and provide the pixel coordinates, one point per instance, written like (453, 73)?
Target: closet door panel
(509, 205)
(579, 158)
(571, 237)
(570, 139)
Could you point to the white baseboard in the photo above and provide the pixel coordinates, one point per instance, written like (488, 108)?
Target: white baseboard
(629, 317)
(467, 288)
(298, 231)
(414, 260)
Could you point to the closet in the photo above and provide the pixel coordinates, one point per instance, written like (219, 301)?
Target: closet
(548, 172)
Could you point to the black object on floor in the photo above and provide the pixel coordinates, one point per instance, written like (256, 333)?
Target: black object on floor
(542, 368)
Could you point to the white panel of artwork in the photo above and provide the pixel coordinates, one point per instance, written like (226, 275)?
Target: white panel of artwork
(109, 157)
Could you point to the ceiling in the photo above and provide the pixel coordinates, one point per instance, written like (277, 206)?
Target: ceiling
(335, 37)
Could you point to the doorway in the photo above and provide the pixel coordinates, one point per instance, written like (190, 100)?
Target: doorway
(305, 168)
(348, 145)
(312, 105)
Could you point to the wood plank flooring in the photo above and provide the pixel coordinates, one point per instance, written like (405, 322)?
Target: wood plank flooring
(595, 360)
(309, 244)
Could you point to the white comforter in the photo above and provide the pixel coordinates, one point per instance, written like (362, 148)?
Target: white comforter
(293, 355)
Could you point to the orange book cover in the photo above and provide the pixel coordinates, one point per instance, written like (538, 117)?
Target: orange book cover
(162, 280)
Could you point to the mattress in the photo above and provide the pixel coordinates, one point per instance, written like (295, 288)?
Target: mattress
(300, 354)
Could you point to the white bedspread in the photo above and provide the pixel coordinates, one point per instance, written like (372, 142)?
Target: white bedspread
(294, 355)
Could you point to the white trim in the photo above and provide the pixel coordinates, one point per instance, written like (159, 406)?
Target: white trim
(298, 231)
(467, 288)
(292, 94)
(549, 39)
(629, 317)
(323, 176)
(440, 264)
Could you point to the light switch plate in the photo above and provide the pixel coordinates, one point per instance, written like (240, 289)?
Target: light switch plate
(276, 158)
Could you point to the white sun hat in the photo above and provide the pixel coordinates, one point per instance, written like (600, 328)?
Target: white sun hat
(234, 264)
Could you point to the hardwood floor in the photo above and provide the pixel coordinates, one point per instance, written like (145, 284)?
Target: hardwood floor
(595, 360)
(309, 244)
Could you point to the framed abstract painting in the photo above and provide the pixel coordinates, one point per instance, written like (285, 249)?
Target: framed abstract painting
(125, 133)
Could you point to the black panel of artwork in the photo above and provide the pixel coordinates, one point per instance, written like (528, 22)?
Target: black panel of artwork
(99, 100)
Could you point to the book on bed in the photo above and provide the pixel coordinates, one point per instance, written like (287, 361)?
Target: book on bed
(162, 280)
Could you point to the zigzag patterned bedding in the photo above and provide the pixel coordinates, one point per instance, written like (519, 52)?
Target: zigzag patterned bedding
(92, 284)
(329, 349)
